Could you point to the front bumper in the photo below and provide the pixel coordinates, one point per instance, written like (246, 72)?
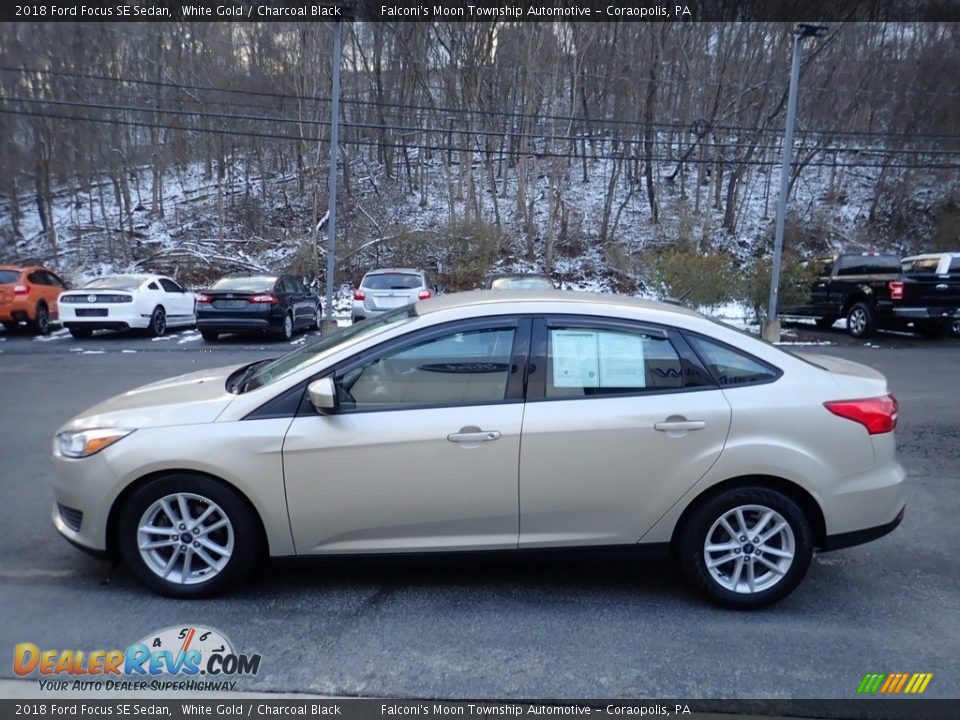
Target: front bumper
(88, 486)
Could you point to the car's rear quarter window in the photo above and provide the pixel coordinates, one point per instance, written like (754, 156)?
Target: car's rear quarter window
(9, 276)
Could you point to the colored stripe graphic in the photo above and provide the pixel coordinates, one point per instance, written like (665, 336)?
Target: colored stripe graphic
(894, 683)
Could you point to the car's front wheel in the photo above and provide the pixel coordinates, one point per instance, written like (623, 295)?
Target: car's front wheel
(746, 547)
(188, 536)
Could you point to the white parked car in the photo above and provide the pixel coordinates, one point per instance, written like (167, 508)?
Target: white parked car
(493, 420)
(121, 302)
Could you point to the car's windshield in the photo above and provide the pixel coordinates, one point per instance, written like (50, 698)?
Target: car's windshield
(303, 356)
(254, 283)
(392, 281)
(116, 282)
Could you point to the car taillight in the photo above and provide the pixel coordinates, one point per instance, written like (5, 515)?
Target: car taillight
(424, 295)
(204, 298)
(896, 289)
(358, 295)
(270, 299)
(21, 290)
(877, 415)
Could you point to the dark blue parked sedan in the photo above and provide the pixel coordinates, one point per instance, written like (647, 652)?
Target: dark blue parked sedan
(278, 305)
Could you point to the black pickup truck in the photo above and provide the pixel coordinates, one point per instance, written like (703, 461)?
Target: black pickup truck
(872, 291)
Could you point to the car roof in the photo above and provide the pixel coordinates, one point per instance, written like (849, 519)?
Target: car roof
(383, 271)
(474, 298)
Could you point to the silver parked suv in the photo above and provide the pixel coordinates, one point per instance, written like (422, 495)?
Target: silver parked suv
(388, 289)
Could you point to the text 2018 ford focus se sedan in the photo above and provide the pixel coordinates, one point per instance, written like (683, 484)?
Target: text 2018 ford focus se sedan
(493, 421)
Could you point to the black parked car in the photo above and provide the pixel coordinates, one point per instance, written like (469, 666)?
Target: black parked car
(276, 304)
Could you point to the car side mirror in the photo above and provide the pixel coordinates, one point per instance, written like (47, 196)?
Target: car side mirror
(323, 396)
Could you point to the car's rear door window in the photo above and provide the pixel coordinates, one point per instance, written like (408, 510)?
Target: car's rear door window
(9, 276)
(586, 361)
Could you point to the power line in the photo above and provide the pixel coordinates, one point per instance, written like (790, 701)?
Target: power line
(411, 130)
(455, 149)
(676, 126)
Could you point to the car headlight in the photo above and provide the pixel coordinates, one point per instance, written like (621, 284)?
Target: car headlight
(84, 443)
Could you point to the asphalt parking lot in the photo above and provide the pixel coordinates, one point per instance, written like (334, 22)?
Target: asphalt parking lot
(505, 627)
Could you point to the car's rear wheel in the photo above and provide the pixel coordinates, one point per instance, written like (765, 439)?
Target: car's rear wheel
(158, 322)
(9, 325)
(209, 335)
(746, 547)
(81, 333)
(318, 318)
(188, 536)
(41, 323)
(861, 321)
(286, 330)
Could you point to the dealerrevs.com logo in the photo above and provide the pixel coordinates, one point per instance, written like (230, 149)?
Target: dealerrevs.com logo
(181, 652)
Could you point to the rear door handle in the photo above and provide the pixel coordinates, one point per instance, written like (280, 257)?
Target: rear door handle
(674, 425)
(474, 437)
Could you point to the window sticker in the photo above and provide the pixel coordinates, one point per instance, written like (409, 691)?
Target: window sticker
(621, 360)
(597, 359)
(575, 358)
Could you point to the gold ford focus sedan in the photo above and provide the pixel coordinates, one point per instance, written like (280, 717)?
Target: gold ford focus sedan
(493, 421)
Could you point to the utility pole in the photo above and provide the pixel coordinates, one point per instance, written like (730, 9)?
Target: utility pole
(329, 325)
(771, 328)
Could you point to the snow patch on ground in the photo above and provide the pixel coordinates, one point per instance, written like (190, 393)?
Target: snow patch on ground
(56, 335)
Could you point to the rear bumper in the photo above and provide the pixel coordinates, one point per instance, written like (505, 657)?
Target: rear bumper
(858, 537)
(239, 325)
(934, 314)
(118, 317)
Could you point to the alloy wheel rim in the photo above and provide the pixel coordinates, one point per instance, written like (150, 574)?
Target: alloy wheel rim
(287, 327)
(857, 321)
(749, 549)
(185, 538)
(43, 319)
(160, 322)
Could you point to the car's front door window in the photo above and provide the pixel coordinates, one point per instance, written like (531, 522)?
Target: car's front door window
(470, 367)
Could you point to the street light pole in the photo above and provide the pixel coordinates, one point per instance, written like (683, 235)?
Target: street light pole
(329, 324)
(771, 330)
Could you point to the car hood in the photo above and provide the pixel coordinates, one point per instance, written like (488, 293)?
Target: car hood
(191, 399)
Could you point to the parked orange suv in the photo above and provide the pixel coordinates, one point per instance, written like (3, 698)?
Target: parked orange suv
(29, 295)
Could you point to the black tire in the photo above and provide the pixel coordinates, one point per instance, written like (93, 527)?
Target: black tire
(158, 322)
(81, 333)
(41, 324)
(10, 326)
(210, 335)
(705, 520)
(861, 320)
(246, 537)
(286, 329)
(955, 328)
(827, 322)
(317, 319)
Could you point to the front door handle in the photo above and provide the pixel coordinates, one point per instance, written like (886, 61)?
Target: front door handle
(675, 425)
(473, 436)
